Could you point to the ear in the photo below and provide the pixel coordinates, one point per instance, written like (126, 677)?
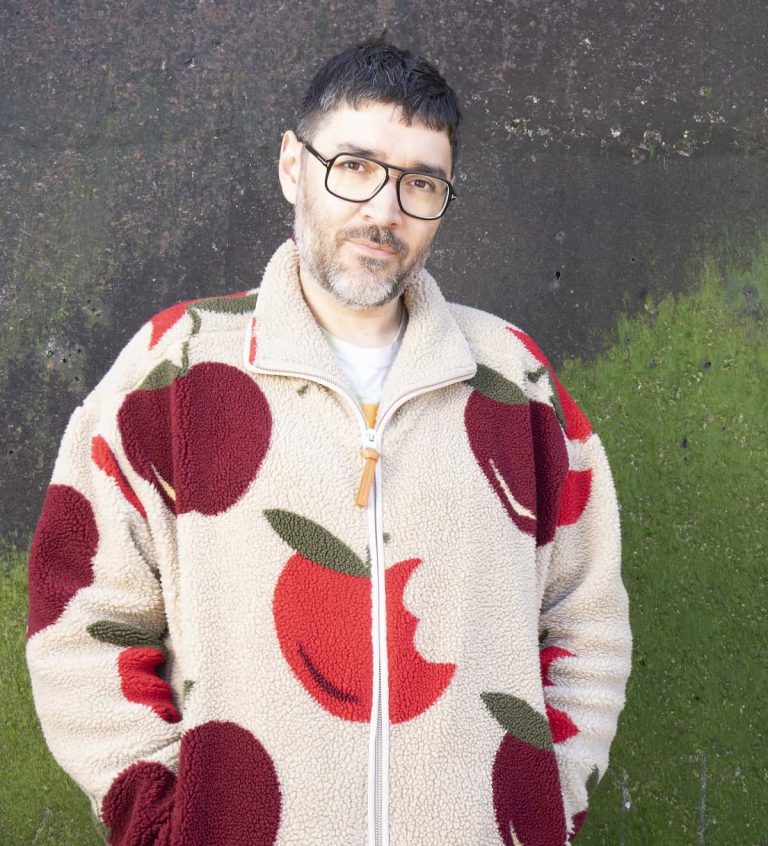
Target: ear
(289, 167)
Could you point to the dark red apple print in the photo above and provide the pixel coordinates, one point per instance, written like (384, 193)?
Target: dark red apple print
(137, 665)
(105, 460)
(227, 793)
(527, 797)
(561, 725)
(167, 318)
(551, 462)
(322, 610)
(198, 436)
(498, 424)
(577, 426)
(61, 555)
(520, 448)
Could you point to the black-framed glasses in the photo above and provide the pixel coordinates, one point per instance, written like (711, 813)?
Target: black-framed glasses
(358, 179)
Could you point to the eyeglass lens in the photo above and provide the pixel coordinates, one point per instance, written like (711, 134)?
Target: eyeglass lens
(353, 178)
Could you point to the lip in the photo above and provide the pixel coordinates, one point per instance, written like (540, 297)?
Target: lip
(373, 249)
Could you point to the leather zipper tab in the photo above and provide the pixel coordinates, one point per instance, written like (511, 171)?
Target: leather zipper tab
(371, 456)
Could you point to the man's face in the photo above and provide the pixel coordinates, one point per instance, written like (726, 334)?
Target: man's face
(365, 254)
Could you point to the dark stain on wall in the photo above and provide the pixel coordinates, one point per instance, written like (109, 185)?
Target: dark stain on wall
(608, 149)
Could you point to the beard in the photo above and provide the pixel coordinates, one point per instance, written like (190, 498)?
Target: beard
(369, 282)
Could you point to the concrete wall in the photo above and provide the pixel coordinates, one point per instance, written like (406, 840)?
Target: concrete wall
(607, 147)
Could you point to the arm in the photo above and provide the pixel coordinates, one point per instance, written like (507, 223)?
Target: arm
(584, 622)
(97, 627)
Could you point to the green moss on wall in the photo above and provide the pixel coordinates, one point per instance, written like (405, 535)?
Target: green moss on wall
(680, 402)
(38, 803)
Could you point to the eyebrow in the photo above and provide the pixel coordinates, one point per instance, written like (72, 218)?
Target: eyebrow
(420, 167)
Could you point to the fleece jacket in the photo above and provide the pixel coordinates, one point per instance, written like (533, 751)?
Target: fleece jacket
(255, 619)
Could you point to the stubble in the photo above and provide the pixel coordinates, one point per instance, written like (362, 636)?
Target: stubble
(363, 284)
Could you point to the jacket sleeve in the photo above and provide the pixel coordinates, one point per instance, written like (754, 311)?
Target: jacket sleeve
(98, 651)
(585, 638)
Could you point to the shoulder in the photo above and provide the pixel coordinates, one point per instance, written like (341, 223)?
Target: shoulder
(510, 351)
(497, 343)
(162, 342)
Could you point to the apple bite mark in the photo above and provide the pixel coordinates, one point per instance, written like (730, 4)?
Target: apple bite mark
(322, 609)
(197, 434)
(527, 797)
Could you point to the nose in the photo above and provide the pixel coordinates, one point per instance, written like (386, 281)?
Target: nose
(383, 209)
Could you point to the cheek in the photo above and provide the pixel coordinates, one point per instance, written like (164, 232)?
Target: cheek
(423, 239)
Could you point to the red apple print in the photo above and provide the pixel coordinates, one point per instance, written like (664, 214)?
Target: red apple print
(520, 448)
(163, 320)
(577, 426)
(575, 495)
(560, 724)
(137, 666)
(527, 796)
(198, 436)
(227, 793)
(140, 684)
(105, 460)
(167, 318)
(322, 609)
(61, 555)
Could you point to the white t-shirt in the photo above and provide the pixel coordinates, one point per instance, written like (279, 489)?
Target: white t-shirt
(367, 367)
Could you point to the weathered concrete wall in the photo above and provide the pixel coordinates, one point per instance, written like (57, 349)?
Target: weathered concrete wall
(607, 146)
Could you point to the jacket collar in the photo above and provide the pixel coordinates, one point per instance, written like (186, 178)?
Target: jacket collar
(283, 336)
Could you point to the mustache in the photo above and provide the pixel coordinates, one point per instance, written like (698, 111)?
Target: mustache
(376, 235)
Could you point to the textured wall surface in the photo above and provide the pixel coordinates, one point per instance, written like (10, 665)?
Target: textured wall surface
(606, 146)
(610, 152)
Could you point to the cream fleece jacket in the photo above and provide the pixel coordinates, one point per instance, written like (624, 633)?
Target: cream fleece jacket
(255, 620)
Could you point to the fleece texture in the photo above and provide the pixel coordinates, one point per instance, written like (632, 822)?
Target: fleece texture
(207, 600)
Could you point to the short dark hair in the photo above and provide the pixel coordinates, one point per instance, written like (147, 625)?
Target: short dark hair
(378, 72)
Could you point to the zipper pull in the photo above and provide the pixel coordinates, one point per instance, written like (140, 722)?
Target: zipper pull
(371, 456)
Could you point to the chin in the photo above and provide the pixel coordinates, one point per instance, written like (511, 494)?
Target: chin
(348, 292)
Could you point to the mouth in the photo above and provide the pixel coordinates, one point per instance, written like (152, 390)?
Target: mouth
(371, 249)
(374, 249)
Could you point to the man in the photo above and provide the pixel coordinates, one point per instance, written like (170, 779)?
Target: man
(334, 561)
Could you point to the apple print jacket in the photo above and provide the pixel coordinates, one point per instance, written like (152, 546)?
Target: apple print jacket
(255, 620)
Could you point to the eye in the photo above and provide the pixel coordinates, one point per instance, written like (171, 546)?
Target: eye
(420, 183)
(353, 165)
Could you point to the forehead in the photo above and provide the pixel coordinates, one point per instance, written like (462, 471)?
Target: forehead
(379, 128)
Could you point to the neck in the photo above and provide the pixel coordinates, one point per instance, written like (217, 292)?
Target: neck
(376, 327)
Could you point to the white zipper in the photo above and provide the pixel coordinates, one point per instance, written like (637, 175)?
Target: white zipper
(378, 752)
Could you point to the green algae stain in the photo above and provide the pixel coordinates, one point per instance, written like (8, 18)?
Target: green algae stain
(679, 401)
